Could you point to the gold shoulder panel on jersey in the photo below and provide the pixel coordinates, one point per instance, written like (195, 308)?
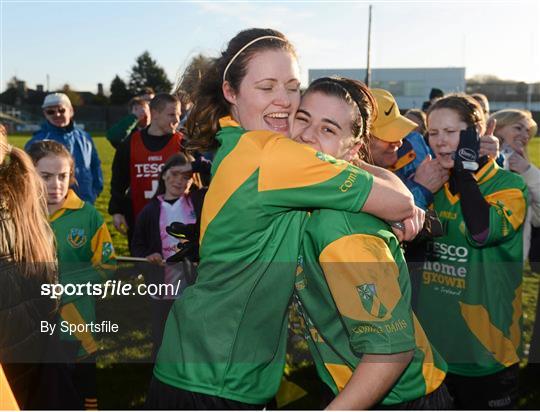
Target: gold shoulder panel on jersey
(288, 165)
(233, 171)
(357, 265)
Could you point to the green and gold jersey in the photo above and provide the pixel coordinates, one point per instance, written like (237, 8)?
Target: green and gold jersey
(85, 254)
(227, 335)
(470, 293)
(355, 293)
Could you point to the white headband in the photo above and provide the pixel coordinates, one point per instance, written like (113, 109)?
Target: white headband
(244, 48)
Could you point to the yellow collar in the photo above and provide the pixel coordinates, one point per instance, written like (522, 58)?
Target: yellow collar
(228, 121)
(481, 176)
(72, 202)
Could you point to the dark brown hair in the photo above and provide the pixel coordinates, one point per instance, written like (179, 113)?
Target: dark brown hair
(44, 148)
(178, 159)
(136, 101)
(209, 103)
(468, 109)
(419, 119)
(161, 100)
(357, 95)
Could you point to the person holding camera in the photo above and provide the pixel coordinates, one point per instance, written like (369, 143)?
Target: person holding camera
(470, 289)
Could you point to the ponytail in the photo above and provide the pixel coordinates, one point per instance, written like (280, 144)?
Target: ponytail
(25, 235)
(231, 66)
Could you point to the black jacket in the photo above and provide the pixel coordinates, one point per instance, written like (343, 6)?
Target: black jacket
(146, 237)
(23, 347)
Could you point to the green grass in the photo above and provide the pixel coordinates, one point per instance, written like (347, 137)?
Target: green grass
(123, 371)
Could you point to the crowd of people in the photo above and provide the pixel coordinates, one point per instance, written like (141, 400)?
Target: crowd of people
(401, 240)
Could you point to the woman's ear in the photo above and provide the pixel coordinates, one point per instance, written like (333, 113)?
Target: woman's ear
(228, 92)
(353, 151)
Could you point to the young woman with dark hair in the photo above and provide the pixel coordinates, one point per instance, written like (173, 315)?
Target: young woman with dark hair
(225, 340)
(470, 289)
(352, 281)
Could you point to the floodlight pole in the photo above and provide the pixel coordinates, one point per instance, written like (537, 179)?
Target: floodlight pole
(368, 66)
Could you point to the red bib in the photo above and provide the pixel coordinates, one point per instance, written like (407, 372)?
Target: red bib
(145, 167)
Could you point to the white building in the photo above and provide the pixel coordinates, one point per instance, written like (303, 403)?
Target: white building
(410, 87)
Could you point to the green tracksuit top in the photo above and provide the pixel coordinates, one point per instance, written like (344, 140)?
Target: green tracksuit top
(227, 335)
(85, 254)
(355, 293)
(470, 293)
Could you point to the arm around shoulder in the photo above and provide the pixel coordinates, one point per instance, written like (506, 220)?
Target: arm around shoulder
(389, 198)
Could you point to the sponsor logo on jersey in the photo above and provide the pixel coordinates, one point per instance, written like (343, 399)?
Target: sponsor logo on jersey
(451, 253)
(350, 180)
(444, 266)
(76, 238)
(390, 327)
(447, 215)
(148, 169)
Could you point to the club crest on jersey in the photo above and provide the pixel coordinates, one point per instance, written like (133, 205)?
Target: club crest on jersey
(370, 301)
(106, 251)
(76, 237)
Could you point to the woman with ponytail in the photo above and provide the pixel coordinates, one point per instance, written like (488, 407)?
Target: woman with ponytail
(225, 340)
(27, 261)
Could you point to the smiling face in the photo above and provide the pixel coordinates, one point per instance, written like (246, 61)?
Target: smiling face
(444, 126)
(178, 180)
(516, 135)
(324, 123)
(269, 94)
(384, 154)
(55, 172)
(59, 116)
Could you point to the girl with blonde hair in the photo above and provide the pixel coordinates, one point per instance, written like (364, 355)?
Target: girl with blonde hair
(27, 261)
(515, 128)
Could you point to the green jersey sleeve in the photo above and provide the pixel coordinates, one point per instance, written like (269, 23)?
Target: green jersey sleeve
(103, 255)
(292, 175)
(122, 129)
(365, 286)
(506, 215)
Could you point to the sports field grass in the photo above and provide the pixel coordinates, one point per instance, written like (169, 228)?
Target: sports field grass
(123, 375)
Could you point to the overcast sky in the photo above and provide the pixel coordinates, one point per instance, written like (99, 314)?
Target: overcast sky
(85, 42)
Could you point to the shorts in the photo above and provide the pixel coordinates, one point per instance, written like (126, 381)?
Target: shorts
(439, 399)
(496, 391)
(162, 396)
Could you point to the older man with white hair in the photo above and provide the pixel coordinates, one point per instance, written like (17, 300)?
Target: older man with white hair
(59, 127)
